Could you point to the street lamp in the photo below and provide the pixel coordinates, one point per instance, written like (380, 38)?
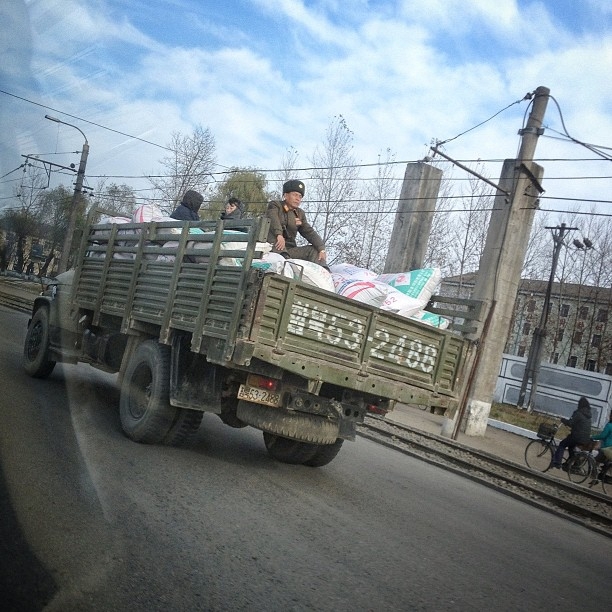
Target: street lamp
(78, 188)
(532, 368)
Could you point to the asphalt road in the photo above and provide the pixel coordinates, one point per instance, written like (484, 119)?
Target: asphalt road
(93, 521)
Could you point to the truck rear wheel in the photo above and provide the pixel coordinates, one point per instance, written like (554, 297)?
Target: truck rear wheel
(325, 454)
(289, 451)
(36, 360)
(144, 405)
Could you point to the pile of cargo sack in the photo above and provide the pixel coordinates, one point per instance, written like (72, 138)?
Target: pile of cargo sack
(405, 294)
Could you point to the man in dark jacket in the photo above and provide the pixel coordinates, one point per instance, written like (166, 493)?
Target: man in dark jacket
(187, 210)
(286, 220)
(580, 431)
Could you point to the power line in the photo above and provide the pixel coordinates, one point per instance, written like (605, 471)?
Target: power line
(55, 110)
(527, 96)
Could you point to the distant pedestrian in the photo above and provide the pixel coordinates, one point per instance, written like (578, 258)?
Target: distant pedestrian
(580, 431)
(188, 209)
(234, 209)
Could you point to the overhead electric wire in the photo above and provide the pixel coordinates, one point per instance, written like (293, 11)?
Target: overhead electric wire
(55, 110)
(592, 148)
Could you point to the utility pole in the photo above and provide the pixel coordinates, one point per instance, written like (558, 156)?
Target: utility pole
(501, 263)
(532, 369)
(78, 188)
(413, 219)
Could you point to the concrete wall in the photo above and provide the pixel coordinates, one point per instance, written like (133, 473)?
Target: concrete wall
(559, 389)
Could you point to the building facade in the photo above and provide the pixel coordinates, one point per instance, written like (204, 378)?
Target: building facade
(578, 330)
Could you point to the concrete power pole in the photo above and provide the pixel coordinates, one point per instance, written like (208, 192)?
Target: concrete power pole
(413, 219)
(501, 263)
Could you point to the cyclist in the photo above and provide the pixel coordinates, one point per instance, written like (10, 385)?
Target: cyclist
(580, 431)
(605, 449)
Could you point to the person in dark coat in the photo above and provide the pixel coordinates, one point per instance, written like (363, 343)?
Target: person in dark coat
(287, 219)
(234, 209)
(188, 209)
(580, 431)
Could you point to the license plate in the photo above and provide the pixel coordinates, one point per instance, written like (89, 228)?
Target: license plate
(259, 396)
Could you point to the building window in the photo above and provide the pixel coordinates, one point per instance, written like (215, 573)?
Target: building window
(590, 365)
(602, 315)
(526, 329)
(555, 358)
(596, 340)
(530, 305)
(560, 335)
(583, 313)
(578, 337)
(571, 362)
(564, 312)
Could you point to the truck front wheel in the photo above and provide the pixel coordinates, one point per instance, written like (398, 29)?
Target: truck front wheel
(36, 360)
(144, 405)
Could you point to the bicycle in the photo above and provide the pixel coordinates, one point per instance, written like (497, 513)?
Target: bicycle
(604, 477)
(540, 451)
(582, 464)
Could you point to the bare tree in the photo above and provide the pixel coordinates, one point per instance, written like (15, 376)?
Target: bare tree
(438, 253)
(287, 171)
(119, 200)
(331, 191)
(189, 166)
(21, 220)
(372, 218)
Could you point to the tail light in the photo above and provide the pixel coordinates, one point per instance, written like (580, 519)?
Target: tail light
(262, 382)
(376, 409)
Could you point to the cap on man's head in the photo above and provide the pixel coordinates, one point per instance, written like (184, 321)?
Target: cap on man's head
(192, 199)
(294, 185)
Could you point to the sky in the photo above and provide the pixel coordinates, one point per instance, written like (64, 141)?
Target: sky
(269, 75)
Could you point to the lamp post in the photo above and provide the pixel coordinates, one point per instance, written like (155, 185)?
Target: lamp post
(78, 188)
(532, 368)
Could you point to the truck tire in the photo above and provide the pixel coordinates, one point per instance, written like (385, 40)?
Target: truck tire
(288, 424)
(186, 423)
(228, 413)
(144, 405)
(36, 360)
(325, 454)
(289, 451)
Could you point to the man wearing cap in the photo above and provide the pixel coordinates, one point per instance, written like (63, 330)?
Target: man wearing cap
(286, 220)
(188, 209)
(233, 209)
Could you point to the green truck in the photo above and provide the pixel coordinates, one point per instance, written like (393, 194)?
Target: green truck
(185, 315)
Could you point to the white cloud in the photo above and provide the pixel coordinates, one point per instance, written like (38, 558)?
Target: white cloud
(401, 74)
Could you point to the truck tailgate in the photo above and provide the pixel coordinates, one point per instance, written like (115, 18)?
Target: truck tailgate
(321, 335)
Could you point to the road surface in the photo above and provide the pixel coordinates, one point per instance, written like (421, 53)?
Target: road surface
(93, 521)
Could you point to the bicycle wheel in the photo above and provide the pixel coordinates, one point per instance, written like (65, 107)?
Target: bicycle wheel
(606, 479)
(580, 467)
(538, 455)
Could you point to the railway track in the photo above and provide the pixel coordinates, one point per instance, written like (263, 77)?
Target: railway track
(589, 507)
(16, 302)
